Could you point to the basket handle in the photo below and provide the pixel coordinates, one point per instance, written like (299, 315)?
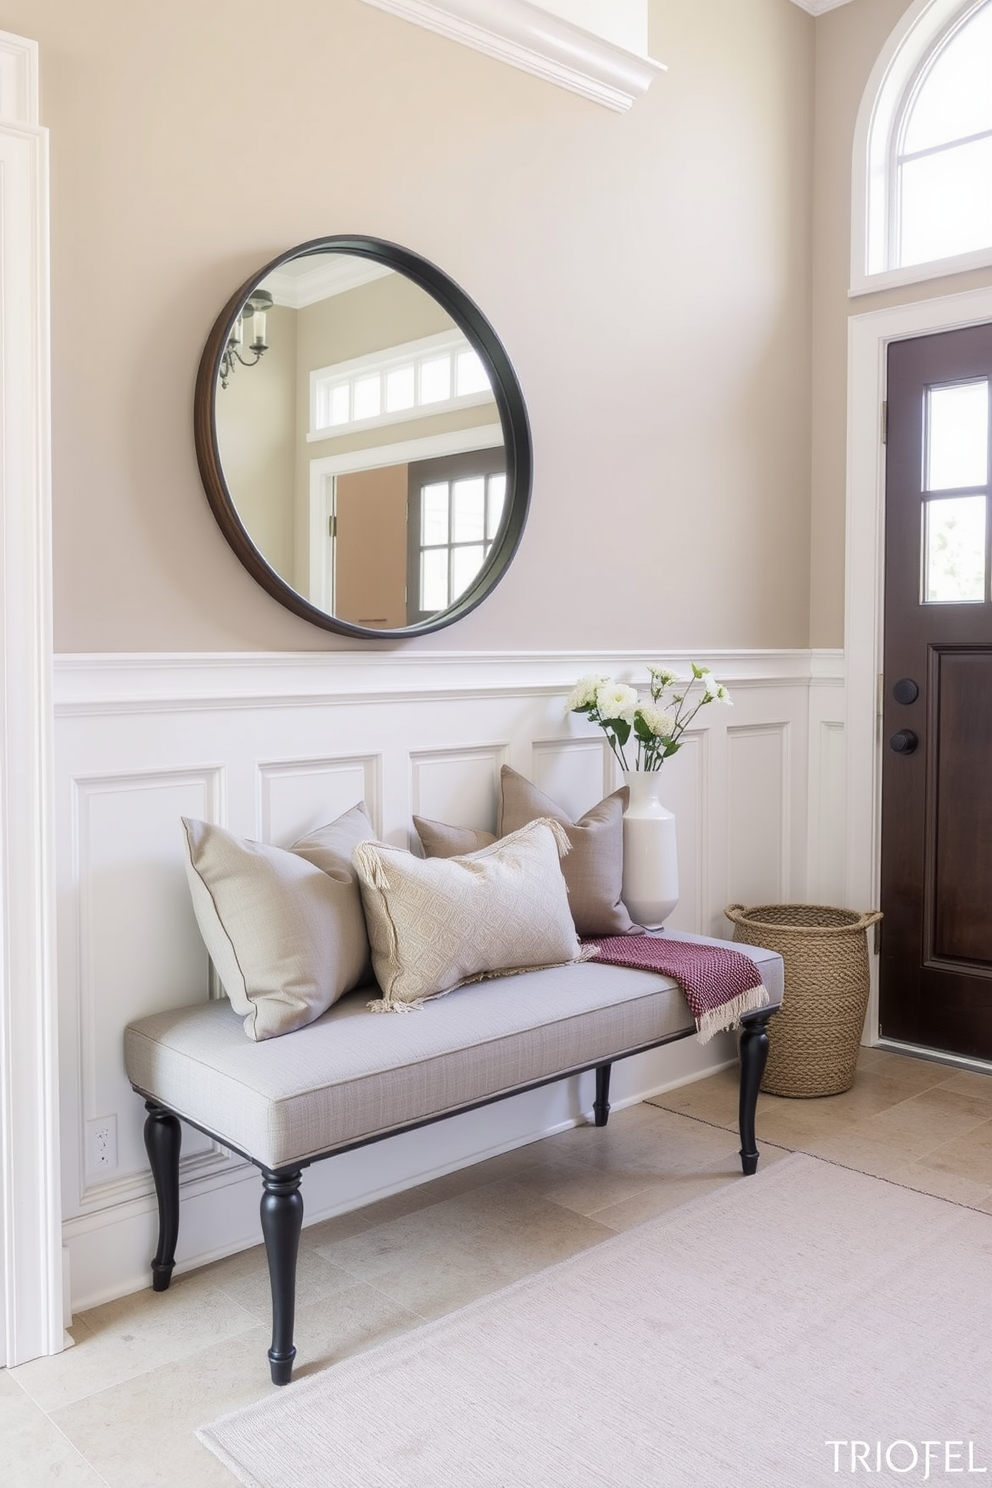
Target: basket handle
(735, 912)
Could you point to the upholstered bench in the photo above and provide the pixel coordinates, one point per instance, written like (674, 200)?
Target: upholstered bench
(352, 1077)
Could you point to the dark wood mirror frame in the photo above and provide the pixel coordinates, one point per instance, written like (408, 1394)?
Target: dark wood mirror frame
(506, 391)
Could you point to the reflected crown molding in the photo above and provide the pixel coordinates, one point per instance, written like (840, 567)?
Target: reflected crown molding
(529, 37)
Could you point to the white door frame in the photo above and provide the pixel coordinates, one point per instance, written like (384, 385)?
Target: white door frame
(868, 338)
(31, 1320)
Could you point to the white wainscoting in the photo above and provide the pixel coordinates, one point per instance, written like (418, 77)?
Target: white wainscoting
(272, 746)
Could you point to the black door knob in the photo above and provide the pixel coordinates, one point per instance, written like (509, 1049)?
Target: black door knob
(904, 742)
(906, 690)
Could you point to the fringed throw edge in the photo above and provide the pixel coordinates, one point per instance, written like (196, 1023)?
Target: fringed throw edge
(729, 1014)
(388, 1005)
(720, 983)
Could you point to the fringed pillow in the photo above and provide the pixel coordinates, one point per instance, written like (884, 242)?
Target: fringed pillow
(438, 923)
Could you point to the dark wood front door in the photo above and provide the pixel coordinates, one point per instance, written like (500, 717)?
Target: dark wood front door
(935, 970)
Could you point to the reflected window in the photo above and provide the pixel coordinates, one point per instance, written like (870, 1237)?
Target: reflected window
(456, 507)
(434, 375)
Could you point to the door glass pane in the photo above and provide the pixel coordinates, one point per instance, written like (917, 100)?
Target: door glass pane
(468, 499)
(434, 579)
(957, 436)
(434, 514)
(465, 564)
(954, 549)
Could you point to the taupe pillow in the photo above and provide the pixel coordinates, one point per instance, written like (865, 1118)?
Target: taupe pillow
(441, 841)
(437, 923)
(593, 868)
(287, 937)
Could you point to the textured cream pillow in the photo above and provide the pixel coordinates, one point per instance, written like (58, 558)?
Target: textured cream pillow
(594, 868)
(287, 938)
(436, 923)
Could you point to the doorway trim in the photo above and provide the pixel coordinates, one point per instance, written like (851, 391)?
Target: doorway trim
(868, 339)
(31, 1317)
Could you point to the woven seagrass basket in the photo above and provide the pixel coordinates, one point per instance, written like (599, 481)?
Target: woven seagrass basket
(813, 1041)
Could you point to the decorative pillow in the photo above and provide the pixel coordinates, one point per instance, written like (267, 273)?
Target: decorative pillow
(330, 848)
(437, 923)
(594, 868)
(441, 841)
(287, 937)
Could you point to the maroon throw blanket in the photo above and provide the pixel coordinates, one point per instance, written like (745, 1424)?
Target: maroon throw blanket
(719, 983)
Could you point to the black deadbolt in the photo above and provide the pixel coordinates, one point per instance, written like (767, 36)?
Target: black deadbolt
(904, 742)
(905, 690)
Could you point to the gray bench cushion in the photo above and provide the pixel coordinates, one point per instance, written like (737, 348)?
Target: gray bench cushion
(353, 1074)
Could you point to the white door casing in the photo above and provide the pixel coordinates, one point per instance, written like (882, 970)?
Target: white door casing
(868, 339)
(31, 1321)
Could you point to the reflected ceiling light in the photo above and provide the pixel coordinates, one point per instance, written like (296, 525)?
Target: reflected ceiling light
(256, 305)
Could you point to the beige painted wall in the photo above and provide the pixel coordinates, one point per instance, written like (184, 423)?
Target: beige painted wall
(648, 273)
(848, 42)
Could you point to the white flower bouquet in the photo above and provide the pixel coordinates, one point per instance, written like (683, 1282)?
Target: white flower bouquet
(657, 723)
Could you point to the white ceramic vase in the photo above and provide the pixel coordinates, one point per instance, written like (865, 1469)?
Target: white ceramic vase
(650, 852)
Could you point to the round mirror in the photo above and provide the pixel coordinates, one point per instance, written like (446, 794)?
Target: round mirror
(362, 439)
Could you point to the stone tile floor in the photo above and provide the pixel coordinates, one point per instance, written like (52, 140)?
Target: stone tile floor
(120, 1408)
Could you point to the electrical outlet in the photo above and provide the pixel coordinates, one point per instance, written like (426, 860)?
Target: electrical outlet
(101, 1144)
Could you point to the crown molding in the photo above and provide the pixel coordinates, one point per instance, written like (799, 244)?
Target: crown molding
(533, 39)
(819, 7)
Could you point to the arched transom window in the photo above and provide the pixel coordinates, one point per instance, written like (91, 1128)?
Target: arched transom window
(923, 148)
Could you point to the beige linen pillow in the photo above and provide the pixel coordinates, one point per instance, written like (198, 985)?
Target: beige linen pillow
(594, 868)
(287, 937)
(437, 923)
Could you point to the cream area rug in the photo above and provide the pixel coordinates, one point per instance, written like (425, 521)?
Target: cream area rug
(810, 1325)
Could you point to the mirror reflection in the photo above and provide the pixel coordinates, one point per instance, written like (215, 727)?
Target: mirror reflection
(360, 440)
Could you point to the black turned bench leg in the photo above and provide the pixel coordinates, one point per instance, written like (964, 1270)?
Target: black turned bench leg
(163, 1140)
(753, 1056)
(601, 1105)
(282, 1221)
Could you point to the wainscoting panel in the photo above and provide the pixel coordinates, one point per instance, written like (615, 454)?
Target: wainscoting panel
(456, 786)
(274, 746)
(758, 858)
(576, 773)
(137, 950)
(296, 796)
